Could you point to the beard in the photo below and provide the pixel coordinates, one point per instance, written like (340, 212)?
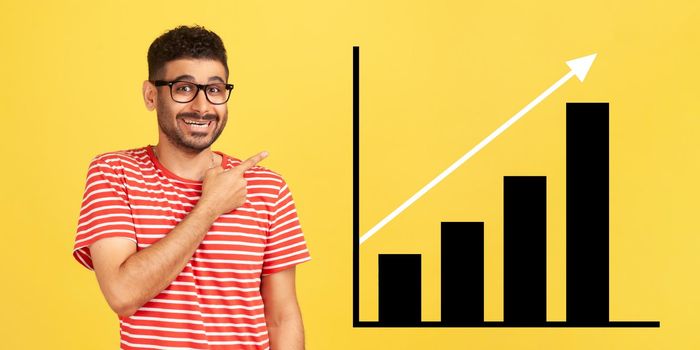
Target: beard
(185, 140)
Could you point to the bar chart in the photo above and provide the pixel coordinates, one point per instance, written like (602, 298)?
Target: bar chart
(462, 251)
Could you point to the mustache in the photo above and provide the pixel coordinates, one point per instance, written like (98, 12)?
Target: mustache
(191, 115)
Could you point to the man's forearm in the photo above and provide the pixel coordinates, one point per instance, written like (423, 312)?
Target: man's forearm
(146, 273)
(287, 335)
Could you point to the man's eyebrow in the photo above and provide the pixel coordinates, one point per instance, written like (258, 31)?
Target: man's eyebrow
(185, 77)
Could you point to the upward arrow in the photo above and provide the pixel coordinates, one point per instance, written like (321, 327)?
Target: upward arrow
(579, 68)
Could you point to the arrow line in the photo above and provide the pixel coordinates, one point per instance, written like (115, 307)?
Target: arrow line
(579, 68)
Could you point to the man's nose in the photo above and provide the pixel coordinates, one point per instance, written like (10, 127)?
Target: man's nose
(200, 102)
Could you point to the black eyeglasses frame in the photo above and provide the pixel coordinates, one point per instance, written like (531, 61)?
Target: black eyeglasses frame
(202, 87)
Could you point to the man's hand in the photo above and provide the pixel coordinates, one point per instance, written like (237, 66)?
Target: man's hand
(225, 190)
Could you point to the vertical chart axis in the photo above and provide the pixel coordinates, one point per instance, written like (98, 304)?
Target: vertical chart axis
(462, 303)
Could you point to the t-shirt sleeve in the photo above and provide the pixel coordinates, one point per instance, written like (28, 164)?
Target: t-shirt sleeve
(105, 210)
(285, 246)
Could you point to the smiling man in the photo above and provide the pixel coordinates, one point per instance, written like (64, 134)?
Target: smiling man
(192, 248)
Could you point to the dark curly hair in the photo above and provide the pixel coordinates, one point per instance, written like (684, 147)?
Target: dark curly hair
(184, 42)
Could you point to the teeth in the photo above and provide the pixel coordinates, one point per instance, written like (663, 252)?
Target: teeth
(201, 124)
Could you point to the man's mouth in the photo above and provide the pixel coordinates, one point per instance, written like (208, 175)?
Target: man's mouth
(197, 125)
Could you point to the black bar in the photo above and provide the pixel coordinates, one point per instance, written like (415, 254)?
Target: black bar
(462, 272)
(399, 288)
(355, 186)
(587, 212)
(525, 249)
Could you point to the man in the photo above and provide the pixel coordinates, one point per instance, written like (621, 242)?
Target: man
(192, 248)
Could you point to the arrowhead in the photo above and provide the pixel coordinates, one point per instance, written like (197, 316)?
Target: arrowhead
(581, 65)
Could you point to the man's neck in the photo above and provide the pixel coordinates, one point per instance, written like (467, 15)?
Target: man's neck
(191, 166)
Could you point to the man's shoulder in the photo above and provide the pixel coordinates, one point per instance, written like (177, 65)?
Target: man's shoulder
(132, 156)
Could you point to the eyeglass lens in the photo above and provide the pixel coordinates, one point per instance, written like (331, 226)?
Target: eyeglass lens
(185, 92)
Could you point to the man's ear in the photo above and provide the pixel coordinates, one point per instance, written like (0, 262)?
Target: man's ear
(149, 95)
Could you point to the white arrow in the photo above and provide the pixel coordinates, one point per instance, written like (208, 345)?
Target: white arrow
(579, 68)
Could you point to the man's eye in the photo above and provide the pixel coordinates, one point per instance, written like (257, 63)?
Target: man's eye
(184, 88)
(214, 90)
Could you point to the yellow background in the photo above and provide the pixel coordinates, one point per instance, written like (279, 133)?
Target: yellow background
(436, 77)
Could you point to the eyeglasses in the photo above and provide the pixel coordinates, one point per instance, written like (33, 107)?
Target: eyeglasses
(185, 91)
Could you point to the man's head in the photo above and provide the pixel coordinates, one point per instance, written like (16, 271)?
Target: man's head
(187, 54)
(184, 42)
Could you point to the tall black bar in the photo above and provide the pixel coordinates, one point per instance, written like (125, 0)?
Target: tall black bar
(525, 248)
(587, 212)
(400, 288)
(462, 272)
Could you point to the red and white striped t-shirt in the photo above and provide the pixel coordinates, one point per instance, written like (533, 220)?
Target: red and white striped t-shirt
(215, 302)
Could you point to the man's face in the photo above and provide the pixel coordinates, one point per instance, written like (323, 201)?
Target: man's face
(173, 117)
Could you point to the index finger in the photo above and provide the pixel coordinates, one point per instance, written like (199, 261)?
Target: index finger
(251, 162)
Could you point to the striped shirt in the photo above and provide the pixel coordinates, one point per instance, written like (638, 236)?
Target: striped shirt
(215, 302)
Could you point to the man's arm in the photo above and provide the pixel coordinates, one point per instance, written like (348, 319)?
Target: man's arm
(282, 315)
(128, 279)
